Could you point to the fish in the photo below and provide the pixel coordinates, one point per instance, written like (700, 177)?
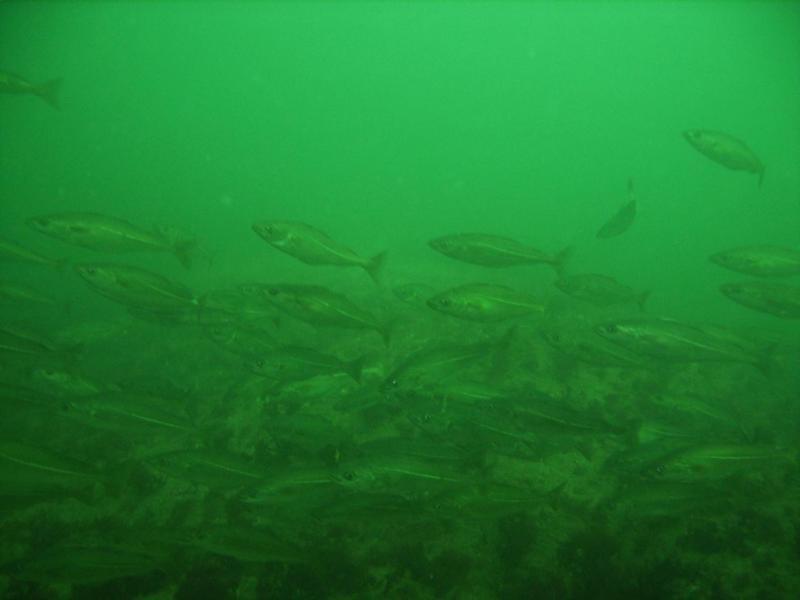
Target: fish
(622, 219)
(580, 342)
(242, 305)
(21, 294)
(127, 413)
(414, 294)
(103, 233)
(496, 251)
(136, 287)
(672, 340)
(760, 261)
(710, 461)
(440, 361)
(295, 363)
(212, 469)
(14, 251)
(25, 468)
(600, 290)
(23, 341)
(485, 302)
(62, 382)
(246, 340)
(317, 305)
(725, 150)
(14, 84)
(314, 247)
(777, 299)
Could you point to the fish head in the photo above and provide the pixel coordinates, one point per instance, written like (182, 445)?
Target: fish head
(442, 303)
(274, 232)
(734, 290)
(610, 330)
(693, 136)
(442, 244)
(95, 274)
(43, 224)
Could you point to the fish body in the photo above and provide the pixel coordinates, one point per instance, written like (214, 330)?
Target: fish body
(778, 299)
(583, 344)
(136, 287)
(485, 302)
(600, 290)
(622, 219)
(20, 340)
(725, 150)
(494, 251)
(25, 468)
(711, 461)
(672, 340)
(318, 305)
(16, 85)
(103, 233)
(14, 251)
(760, 261)
(314, 247)
(295, 363)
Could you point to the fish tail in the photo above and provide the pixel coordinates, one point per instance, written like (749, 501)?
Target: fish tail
(354, 368)
(560, 259)
(184, 250)
(641, 299)
(386, 330)
(49, 92)
(374, 266)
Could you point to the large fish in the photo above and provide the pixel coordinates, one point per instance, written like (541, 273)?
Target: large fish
(777, 299)
(494, 251)
(318, 305)
(314, 247)
(725, 150)
(112, 235)
(600, 290)
(13, 251)
(761, 261)
(485, 302)
(136, 287)
(14, 84)
(622, 219)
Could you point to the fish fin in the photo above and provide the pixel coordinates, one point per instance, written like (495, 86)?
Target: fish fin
(641, 299)
(375, 266)
(386, 330)
(49, 91)
(761, 176)
(184, 251)
(560, 259)
(630, 188)
(354, 368)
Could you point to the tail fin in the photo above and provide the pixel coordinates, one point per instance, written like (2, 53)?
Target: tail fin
(375, 266)
(641, 299)
(184, 251)
(49, 91)
(560, 259)
(354, 368)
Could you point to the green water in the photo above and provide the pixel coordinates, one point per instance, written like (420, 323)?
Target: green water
(179, 434)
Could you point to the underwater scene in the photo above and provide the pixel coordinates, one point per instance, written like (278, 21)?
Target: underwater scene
(411, 300)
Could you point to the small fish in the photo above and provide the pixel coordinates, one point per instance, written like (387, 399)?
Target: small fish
(314, 247)
(778, 299)
(600, 290)
(20, 340)
(580, 342)
(318, 305)
(676, 341)
(61, 382)
(20, 294)
(725, 150)
(622, 219)
(47, 91)
(414, 294)
(25, 468)
(13, 251)
(494, 251)
(136, 287)
(485, 302)
(760, 261)
(295, 363)
(103, 233)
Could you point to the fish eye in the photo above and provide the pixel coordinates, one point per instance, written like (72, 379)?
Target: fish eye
(273, 291)
(610, 329)
(349, 476)
(90, 271)
(445, 302)
(259, 364)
